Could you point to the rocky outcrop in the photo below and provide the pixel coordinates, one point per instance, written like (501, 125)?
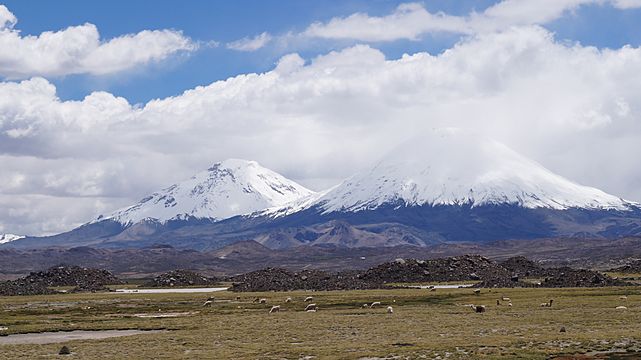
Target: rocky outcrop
(568, 277)
(78, 276)
(24, 287)
(632, 267)
(523, 267)
(39, 283)
(509, 274)
(276, 279)
(458, 268)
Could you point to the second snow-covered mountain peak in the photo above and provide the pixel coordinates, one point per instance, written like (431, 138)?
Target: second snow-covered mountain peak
(228, 188)
(459, 167)
(6, 238)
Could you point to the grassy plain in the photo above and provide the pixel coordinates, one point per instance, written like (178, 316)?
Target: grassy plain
(425, 324)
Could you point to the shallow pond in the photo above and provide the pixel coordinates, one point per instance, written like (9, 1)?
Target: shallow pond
(169, 290)
(64, 336)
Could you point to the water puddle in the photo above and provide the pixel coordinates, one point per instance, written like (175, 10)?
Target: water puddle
(453, 286)
(165, 315)
(603, 355)
(169, 290)
(64, 336)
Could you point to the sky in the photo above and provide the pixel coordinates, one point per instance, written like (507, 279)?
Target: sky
(102, 103)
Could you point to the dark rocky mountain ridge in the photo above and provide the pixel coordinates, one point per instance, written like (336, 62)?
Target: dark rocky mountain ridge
(382, 227)
(247, 256)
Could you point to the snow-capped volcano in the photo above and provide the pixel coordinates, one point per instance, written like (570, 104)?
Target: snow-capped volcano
(6, 238)
(229, 188)
(447, 186)
(457, 167)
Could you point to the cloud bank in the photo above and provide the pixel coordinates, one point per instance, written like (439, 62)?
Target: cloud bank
(79, 50)
(572, 108)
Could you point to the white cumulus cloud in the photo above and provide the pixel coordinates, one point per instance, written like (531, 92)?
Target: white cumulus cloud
(7, 19)
(80, 50)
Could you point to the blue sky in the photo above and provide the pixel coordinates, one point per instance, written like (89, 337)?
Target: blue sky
(226, 21)
(103, 103)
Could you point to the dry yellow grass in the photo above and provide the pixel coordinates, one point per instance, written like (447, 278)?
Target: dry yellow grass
(424, 324)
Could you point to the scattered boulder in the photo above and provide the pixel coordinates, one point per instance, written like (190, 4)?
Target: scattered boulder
(64, 351)
(177, 278)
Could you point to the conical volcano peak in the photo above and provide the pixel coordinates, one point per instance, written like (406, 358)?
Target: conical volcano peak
(228, 188)
(458, 167)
